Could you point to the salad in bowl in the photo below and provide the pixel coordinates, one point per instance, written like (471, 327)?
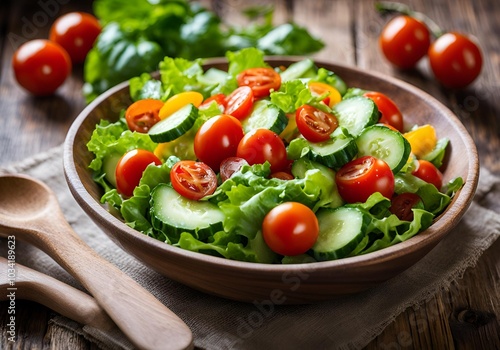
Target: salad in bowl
(275, 165)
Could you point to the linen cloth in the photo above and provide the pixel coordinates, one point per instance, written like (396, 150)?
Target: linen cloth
(349, 322)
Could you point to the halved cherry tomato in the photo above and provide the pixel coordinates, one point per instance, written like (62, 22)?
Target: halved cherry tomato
(390, 112)
(41, 66)
(318, 89)
(402, 205)
(176, 102)
(404, 41)
(239, 102)
(261, 80)
(229, 166)
(76, 32)
(130, 168)
(193, 180)
(143, 114)
(314, 124)
(261, 145)
(291, 228)
(361, 177)
(455, 60)
(429, 173)
(218, 139)
(220, 99)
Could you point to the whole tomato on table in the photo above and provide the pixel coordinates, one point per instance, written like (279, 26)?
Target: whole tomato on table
(455, 58)
(41, 66)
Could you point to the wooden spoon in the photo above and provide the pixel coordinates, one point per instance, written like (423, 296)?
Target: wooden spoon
(70, 302)
(30, 211)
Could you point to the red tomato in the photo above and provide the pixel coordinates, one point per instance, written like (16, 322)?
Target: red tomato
(402, 205)
(314, 124)
(193, 180)
(261, 80)
(361, 177)
(217, 139)
(41, 66)
(143, 114)
(261, 145)
(283, 175)
(76, 32)
(391, 114)
(455, 60)
(229, 166)
(239, 102)
(130, 168)
(429, 173)
(404, 41)
(290, 229)
(220, 99)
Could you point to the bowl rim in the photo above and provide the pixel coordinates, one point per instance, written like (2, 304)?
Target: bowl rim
(432, 235)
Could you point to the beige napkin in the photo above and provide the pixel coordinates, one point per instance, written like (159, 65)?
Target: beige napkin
(347, 323)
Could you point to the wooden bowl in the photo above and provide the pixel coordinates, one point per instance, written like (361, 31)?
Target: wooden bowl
(300, 283)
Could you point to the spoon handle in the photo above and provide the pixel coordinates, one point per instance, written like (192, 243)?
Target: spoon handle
(144, 319)
(56, 295)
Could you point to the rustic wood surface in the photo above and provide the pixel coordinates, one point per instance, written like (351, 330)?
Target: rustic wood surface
(464, 317)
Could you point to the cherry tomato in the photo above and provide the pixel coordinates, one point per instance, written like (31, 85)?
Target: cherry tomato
(283, 175)
(239, 102)
(176, 102)
(404, 41)
(261, 80)
(455, 60)
(229, 166)
(361, 177)
(429, 173)
(193, 180)
(261, 145)
(391, 114)
(290, 228)
(402, 205)
(130, 168)
(143, 114)
(76, 32)
(314, 124)
(318, 89)
(217, 139)
(220, 99)
(41, 66)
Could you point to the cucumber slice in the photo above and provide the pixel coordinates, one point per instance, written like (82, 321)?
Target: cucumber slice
(173, 214)
(340, 231)
(383, 143)
(301, 69)
(356, 113)
(265, 115)
(335, 152)
(109, 166)
(174, 125)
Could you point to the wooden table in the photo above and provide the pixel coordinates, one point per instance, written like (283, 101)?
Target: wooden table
(465, 317)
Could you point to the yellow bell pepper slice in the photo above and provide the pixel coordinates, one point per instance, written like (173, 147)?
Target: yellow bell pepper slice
(180, 100)
(317, 89)
(422, 140)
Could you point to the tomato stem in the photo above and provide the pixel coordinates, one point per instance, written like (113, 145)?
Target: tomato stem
(385, 7)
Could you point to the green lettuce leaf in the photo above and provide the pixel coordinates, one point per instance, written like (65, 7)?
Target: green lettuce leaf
(110, 140)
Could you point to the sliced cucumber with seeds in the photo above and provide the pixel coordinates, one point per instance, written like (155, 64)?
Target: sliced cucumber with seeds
(335, 152)
(340, 231)
(265, 115)
(175, 125)
(173, 214)
(356, 113)
(383, 143)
